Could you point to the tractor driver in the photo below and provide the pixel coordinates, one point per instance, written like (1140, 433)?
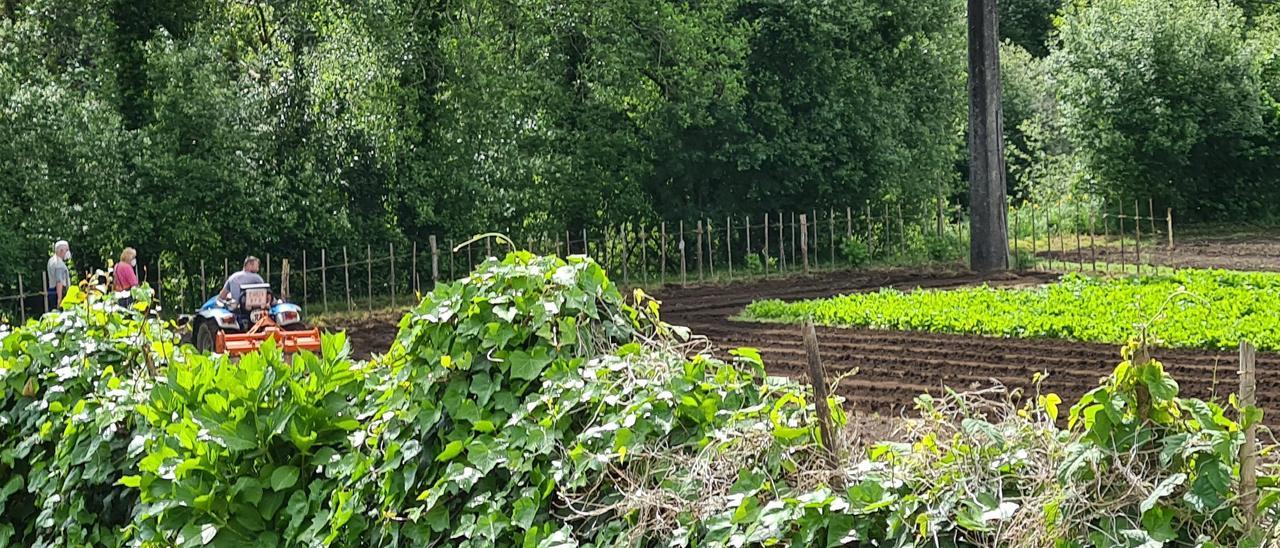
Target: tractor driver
(247, 275)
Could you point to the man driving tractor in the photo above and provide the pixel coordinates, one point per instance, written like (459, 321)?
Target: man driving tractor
(247, 275)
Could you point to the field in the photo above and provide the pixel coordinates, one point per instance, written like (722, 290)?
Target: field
(894, 366)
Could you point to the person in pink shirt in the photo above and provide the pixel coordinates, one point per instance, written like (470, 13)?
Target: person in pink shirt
(124, 277)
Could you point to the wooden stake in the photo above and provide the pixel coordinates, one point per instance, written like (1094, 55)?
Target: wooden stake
(684, 273)
(413, 278)
(793, 239)
(644, 254)
(1248, 449)
(764, 253)
(821, 395)
(711, 253)
(368, 263)
(870, 243)
(391, 256)
(451, 254)
(268, 269)
(622, 233)
(45, 276)
(284, 279)
(585, 250)
(831, 236)
(1168, 217)
(1120, 219)
(1034, 244)
(1093, 251)
(435, 258)
(346, 279)
(662, 252)
(22, 301)
(728, 243)
(306, 296)
(848, 222)
(204, 286)
(698, 249)
(1075, 222)
(324, 281)
(1137, 242)
(804, 241)
(782, 255)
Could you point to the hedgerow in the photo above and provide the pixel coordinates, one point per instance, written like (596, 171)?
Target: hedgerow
(531, 404)
(1213, 309)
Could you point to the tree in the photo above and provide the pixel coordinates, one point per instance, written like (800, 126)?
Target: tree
(1162, 100)
(989, 240)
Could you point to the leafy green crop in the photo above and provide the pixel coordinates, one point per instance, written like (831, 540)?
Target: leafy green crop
(1213, 309)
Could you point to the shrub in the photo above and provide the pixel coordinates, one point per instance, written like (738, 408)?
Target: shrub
(855, 251)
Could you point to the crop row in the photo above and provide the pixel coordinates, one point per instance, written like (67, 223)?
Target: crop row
(1213, 309)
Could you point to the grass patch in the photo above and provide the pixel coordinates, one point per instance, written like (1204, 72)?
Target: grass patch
(1189, 308)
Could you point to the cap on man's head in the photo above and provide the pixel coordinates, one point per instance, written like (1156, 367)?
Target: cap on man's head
(60, 244)
(250, 260)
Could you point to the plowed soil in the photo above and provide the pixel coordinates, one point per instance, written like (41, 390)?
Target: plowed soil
(895, 366)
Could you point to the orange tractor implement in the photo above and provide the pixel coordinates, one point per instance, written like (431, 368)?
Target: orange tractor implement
(235, 344)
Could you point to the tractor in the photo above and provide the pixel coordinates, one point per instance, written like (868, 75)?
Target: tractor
(236, 327)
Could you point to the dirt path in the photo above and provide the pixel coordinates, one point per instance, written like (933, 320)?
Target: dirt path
(895, 366)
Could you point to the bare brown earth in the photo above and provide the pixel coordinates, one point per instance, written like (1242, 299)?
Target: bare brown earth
(1257, 250)
(893, 367)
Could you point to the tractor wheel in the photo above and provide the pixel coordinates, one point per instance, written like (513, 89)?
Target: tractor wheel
(206, 336)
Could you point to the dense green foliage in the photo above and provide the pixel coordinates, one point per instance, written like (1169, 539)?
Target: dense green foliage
(530, 404)
(1195, 308)
(205, 129)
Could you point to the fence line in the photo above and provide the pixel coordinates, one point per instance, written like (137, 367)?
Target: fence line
(742, 246)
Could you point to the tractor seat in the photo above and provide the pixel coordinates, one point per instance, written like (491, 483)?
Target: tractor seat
(255, 296)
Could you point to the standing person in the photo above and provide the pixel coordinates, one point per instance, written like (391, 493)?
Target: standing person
(247, 275)
(124, 277)
(59, 277)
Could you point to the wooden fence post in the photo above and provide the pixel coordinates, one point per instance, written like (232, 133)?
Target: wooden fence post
(413, 278)
(451, 254)
(804, 241)
(435, 258)
(622, 233)
(585, 250)
(684, 273)
(782, 246)
(368, 264)
(45, 291)
(1120, 220)
(848, 222)
(204, 286)
(306, 296)
(284, 279)
(867, 207)
(821, 395)
(1093, 250)
(1168, 217)
(268, 276)
(1137, 242)
(1034, 243)
(391, 256)
(698, 252)
(644, 254)
(346, 279)
(1013, 240)
(1075, 222)
(1248, 449)
(831, 226)
(747, 253)
(764, 254)
(711, 253)
(662, 254)
(728, 243)
(22, 300)
(324, 280)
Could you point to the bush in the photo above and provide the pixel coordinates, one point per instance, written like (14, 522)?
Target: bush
(756, 263)
(855, 251)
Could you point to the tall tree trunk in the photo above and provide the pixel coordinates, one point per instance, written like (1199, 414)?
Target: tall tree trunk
(989, 243)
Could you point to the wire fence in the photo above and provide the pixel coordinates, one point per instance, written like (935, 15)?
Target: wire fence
(697, 250)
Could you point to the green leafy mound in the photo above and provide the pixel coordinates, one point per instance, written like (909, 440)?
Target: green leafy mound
(71, 380)
(531, 404)
(1220, 309)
